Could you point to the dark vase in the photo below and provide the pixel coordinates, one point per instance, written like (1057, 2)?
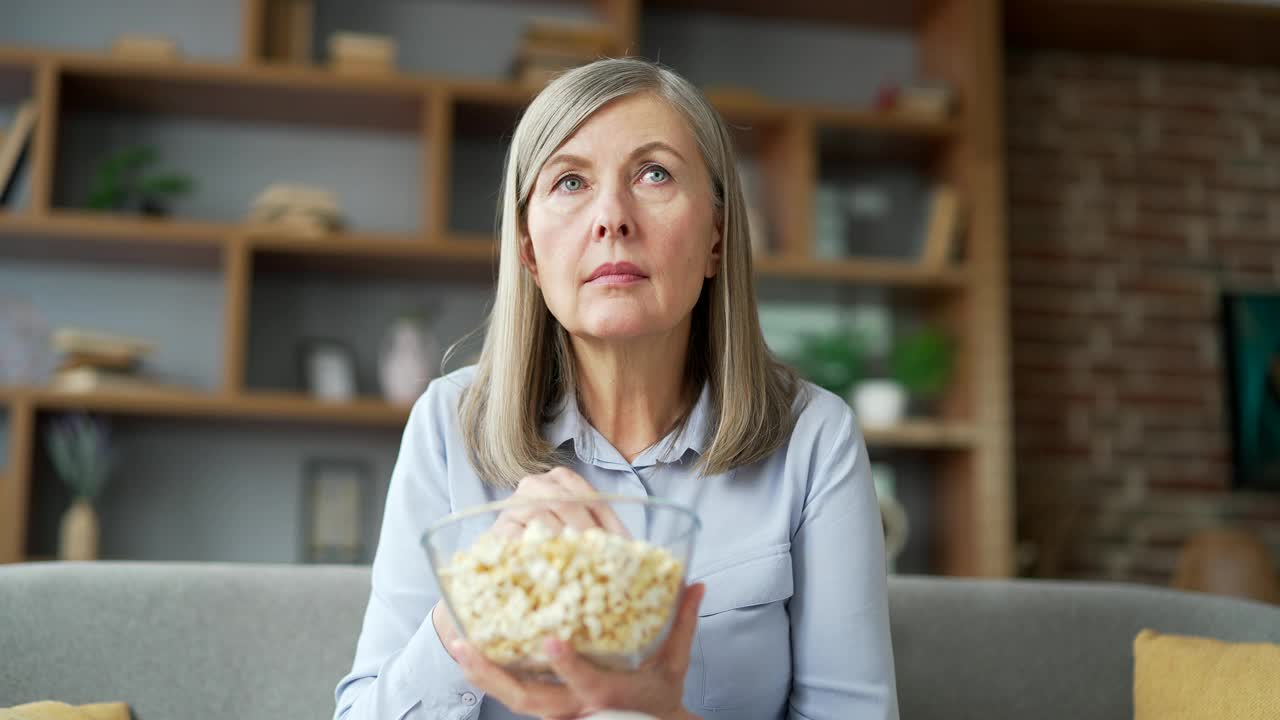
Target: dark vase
(153, 207)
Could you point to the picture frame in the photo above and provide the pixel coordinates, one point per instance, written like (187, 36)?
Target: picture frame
(327, 368)
(336, 496)
(1250, 324)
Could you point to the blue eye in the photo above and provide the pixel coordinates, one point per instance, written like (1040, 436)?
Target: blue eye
(662, 173)
(566, 180)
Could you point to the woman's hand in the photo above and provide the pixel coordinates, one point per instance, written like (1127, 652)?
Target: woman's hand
(445, 629)
(656, 687)
(557, 483)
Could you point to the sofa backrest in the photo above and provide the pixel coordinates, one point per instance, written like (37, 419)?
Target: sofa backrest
(1042, 650)
(181, 640)
(248, 641)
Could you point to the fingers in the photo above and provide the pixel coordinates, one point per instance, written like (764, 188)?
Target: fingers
(525, 698)
(675, 651)
(563, 482)
(580, 676)
(602, 515)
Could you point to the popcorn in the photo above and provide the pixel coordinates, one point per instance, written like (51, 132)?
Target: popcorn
(604, 594)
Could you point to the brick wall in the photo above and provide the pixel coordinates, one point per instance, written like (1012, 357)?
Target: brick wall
(1138, 189)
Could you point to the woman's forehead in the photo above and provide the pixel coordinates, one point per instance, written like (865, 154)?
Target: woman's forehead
(627, 123)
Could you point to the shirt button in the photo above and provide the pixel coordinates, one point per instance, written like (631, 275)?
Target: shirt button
(468, 699)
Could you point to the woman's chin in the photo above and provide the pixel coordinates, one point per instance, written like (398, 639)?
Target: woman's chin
(620, 328)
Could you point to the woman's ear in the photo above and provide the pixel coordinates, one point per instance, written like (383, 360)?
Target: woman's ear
(717, 249)
(527, 259)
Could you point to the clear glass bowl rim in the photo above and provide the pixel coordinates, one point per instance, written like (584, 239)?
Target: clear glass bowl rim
(514, 502)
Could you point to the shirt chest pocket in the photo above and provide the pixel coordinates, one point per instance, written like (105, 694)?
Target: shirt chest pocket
(743, 642)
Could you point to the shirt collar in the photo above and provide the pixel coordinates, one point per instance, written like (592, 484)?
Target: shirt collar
(566, 423)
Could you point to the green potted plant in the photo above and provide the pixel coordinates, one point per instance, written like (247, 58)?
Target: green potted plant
(80, 448)
(123, 181)
(834, 360)
(921, 362)
(919, 367)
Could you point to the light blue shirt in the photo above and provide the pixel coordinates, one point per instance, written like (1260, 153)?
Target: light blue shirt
(794, 622)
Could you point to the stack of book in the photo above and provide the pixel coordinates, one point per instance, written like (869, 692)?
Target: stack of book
(551, 46)
(98, 362)
(351, 52)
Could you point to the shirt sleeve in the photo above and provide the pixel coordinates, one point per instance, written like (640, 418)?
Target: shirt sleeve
(401, 668)
(842, 658)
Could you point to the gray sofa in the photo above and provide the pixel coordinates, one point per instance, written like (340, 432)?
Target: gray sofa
(197, 641)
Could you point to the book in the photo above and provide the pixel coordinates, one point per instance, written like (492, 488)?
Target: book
(590, 38)
(91, 380)
(941, 227)
(362, 49)
(145, 47)
(119, 363)
(118, 347)
(12, 151)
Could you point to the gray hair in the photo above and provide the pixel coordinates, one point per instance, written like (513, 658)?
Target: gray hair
(526, 365)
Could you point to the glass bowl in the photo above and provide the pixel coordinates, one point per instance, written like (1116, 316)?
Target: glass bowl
(608, 581)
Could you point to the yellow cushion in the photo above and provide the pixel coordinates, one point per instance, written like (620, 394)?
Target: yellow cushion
(1177, 677)
(51, 710)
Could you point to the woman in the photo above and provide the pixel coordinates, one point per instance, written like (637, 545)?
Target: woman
(624, 356)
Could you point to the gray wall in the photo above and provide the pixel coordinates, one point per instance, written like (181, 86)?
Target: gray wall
(230, 490)
(200, 490)
(180, 309)
(837, 64)
(376, 176)
(204, 29)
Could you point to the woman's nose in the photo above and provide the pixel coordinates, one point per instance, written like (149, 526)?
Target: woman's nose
(612, 215)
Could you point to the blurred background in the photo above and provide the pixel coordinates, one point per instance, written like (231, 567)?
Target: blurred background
(1033, 243)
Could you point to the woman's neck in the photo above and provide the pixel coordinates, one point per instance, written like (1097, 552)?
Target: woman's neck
(633, 392)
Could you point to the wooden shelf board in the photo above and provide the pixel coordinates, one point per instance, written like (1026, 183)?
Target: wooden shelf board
(116, 225)
(923, 435)
(392, 101)
(900, 15)
(375, 254)
(1213, 30)
(869, 270)
(266, 93)
(99, 237)
(76, 235)
(868, 120)
(296, 407)
(262, 405)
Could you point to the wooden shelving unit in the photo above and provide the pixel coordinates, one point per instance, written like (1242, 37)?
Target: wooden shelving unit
(958, 40)
(1210, 30)
(295, 407)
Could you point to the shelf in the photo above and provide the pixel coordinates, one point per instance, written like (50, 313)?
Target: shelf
(284, 406)
(380, 254)
(1224, 31)
(268, 93)
(296, 407)
(921, 435)
(73, 235)
(900, 15)
(79, 236)
(900, 273)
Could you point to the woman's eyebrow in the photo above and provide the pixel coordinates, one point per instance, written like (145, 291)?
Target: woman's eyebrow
(567, 159)
(579, 161)
(656, 145)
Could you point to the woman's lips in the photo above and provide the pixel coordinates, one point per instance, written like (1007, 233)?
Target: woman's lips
(616, 279)
(619, 273)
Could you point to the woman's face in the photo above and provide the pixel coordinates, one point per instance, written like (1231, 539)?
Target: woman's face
(621, 224)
